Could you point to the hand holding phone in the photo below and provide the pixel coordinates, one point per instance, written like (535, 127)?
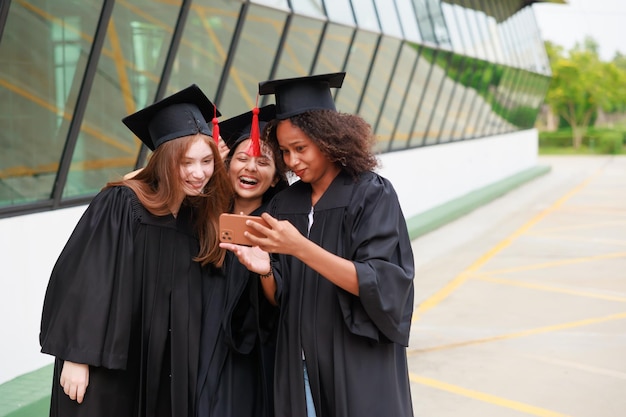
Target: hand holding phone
(233, 226)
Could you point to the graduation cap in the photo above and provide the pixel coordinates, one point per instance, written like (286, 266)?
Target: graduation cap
(182, 114)
(244, 126)
(297, 95)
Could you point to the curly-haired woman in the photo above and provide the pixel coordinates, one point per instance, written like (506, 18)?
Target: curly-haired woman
(341, 266)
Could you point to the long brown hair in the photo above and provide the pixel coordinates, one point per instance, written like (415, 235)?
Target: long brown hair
(158, 187)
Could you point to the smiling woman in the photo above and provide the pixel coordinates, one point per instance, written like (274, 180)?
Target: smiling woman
(122, 310)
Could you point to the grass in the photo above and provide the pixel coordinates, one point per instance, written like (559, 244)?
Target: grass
(564, 150)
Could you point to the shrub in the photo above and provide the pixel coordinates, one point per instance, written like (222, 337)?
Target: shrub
(611, 143)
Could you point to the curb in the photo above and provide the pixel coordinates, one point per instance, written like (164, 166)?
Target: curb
(438, 216)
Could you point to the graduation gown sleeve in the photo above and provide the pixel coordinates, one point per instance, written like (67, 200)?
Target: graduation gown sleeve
(380, 248)
(88, 302)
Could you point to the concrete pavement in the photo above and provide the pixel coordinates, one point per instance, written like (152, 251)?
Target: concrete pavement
(521, 304)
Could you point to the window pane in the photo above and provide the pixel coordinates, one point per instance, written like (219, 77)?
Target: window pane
(339, 11)
(254, 58)
(396, 97)
(411, 106)
(334, 49)
(441, 105)
(359, 61)
(308, 7)
(366, 15)
(39, 92)
(379, 80)
(409, 20)
(126, 80)
(388, 17)
(299, 51)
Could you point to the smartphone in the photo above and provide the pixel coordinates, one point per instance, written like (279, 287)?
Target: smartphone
(232, 227)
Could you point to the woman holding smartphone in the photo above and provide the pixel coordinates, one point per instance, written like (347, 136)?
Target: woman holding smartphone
(341, 263)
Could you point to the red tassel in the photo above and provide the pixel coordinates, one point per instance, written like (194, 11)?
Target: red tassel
(255, 136)
(216, 127)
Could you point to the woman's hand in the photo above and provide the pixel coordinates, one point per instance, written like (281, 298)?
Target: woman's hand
(253, 258)
(222, 148)
(280, 237)
(74, 380)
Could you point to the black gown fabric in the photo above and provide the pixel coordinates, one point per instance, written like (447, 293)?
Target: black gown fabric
(237, 346)
(125, 298)
(355, 347)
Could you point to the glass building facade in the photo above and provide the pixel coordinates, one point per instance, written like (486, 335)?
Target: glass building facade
(421, 72)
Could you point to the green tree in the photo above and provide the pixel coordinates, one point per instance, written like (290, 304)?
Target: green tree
(581, 85)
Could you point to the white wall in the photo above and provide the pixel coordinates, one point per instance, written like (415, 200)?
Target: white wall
(427, 177)
(29, 246)
(423, 178)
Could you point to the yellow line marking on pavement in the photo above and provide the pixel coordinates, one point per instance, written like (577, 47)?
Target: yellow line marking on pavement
(444, 292)
(551, 288)
(524, 333)
(592, 240)
(613, 211)
(579, 226)
(546, 265)
(481, 396)
(579, 367)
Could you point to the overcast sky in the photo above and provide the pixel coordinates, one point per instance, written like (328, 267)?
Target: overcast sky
(603, 20)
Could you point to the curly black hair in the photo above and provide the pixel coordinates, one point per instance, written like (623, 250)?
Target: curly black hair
(346, 139)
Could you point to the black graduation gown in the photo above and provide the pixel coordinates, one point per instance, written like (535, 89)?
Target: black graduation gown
(355, 347)
(125, 297)
(237, 346)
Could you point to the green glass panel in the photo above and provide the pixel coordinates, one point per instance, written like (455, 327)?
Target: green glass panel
(136, 45)
(43, 54)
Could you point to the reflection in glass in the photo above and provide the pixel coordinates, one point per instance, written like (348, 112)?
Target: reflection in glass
(360, 57)
(366, 17)
(433, 78)
(39, 88)
(444, 86)
(458, 71)
(436, 76)
(410, 105)
(388, 18)
(379, 79)
(408, 18)
(334, 49)
(442, 126)
(308, 7)
(339, 11)
(200, 61)
(253, 59)
(395, 97)
(491, 15)
(298, 53)
(126, 80)
(278, 4)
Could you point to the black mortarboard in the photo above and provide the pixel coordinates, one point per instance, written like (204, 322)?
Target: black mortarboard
(297, 95)
(238, 128)
(182, 114)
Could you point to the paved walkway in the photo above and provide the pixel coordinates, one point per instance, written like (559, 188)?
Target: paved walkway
(521, 304)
